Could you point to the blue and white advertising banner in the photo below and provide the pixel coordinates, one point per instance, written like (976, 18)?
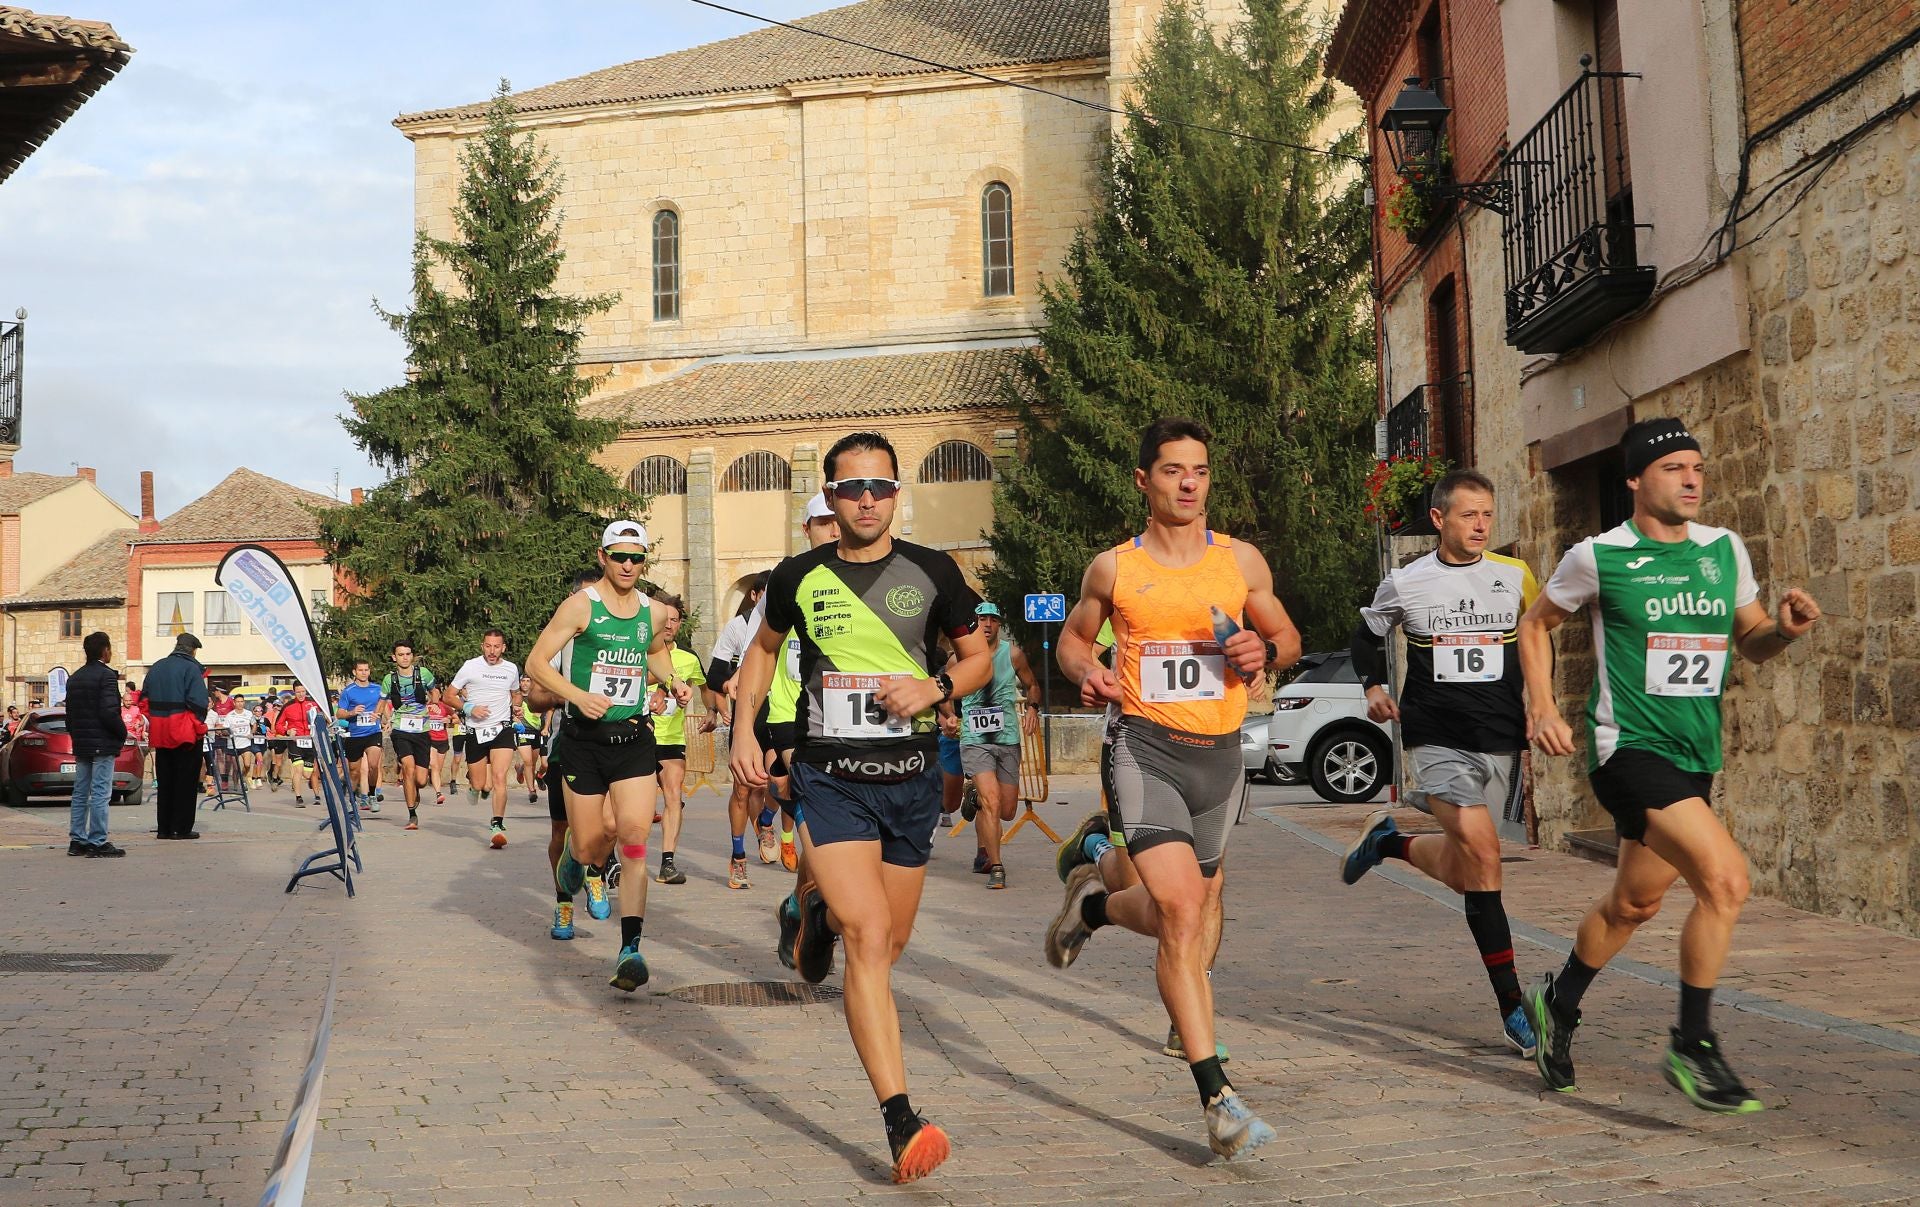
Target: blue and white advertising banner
(266, 591)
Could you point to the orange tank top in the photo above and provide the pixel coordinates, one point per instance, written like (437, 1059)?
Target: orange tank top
(1172, 671)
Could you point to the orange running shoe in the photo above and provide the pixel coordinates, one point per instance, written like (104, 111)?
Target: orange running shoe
(919, 1154)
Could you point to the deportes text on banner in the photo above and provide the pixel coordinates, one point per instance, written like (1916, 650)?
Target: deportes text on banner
(271, 599)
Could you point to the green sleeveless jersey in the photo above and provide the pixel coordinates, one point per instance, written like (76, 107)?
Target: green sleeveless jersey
(991, 716)
(1662, 617)
(783, 697)
(610, 658)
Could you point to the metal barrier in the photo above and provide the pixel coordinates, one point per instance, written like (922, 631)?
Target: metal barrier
(343, 817)
(287, 1179)
(704, 766)
(1033, 786)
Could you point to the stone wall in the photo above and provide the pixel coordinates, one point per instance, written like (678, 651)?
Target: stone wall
(40, 647)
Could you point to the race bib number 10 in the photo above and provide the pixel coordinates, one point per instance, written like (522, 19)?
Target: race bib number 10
(1468, 658)
(1173, 672)
(623, 685)
(851, 708)
(1686, 664)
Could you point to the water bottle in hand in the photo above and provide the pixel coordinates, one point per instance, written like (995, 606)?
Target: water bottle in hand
(1224, 628)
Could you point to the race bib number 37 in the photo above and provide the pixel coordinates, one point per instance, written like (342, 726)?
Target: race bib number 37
(1686, 664)
(1173, 672)
(620, 684)
(851, 708)
(1468, 658)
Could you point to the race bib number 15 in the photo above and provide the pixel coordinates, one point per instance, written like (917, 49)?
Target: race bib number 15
(851, 708)
(1686, 664)
(1173, 672)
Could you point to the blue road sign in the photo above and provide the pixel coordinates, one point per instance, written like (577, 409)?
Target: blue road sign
(1046, 609)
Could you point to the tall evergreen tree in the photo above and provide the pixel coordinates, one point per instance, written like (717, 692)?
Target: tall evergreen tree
(1220, 278)
(493, 497)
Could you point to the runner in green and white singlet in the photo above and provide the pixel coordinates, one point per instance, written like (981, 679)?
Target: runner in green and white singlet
(611, 643)
(1670, 600)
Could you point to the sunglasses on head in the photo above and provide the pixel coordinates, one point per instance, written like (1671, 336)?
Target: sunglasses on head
(625, 558)
(850, 489)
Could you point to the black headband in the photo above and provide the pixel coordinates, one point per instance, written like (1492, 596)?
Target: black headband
(1647, 443)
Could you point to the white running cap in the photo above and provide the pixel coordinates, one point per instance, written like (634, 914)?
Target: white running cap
(624, 532)
(818, 509)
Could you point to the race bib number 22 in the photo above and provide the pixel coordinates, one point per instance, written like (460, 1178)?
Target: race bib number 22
(1686, 664)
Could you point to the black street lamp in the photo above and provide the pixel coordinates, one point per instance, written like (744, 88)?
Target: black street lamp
(1414, 125)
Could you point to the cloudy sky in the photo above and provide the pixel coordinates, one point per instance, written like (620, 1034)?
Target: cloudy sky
(199, 247)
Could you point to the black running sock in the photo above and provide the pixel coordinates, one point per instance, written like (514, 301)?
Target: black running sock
(1210, 1079)
(593, 870)
(1093, 910)
(1696, 1004)
(898, 1113)
(1487, 919)
(1570, 986)
(630, 929)
(1397, 846)
(666, 859)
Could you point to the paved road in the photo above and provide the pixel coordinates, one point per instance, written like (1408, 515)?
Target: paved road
(475, 1060)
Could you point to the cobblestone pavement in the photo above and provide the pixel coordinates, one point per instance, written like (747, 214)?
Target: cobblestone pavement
(476, 1060)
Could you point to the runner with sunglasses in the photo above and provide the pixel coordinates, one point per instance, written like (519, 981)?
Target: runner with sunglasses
(869, 611)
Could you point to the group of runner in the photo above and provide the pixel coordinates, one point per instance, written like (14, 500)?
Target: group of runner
(856, 670)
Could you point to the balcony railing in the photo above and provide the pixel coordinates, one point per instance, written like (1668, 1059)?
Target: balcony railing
(12, 341)
(1571, 262)
(1432, 419)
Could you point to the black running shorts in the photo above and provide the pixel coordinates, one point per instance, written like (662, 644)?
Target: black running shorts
(901, 817)
(1636, 782)
(356, 747)
(593, 766)
(412, 746)
(676, 753)
(477, 751)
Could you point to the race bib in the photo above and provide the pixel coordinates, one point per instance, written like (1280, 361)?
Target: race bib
(670, 704)
(1174, 672)
(1468, 657)
(850, 708)
(304, 743)
(1686, 664)
(986, 720)
(623, 685)
(485, 732)
(402, 724)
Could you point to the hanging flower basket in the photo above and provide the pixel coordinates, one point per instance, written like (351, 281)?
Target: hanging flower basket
(1398, 490)
(1413, 203)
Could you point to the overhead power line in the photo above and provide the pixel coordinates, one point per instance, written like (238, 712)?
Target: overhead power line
(1096, 106)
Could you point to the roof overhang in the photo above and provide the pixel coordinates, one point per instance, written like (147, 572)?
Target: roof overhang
(49, 66)
(1365, 42)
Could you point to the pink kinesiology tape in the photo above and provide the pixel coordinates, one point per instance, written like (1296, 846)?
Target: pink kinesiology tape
(633, 850)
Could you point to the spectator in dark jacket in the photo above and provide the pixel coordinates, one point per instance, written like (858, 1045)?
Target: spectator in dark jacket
(98, 733)
(176, 689)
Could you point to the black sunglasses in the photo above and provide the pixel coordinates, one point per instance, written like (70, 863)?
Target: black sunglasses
(850, 489)
(625, 558)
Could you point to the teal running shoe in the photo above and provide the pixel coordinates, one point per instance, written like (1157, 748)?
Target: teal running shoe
(1519, 1032)
(629, 970)
(598, 907)
(1364, 855)
(569, 874)
(562, 920)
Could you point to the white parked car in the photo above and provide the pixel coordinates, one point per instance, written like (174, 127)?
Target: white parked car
(1319, 733)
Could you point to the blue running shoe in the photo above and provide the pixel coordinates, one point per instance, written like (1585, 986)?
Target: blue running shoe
(630, 970)
(1233, 1130)
(598, 906)
(1520, 1033)
(562, 920)
(1364, 855)
(569, 874)
(1073, 852)
(789, 916)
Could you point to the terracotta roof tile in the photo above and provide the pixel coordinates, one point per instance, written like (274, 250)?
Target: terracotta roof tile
(246, 506)
(67, 61)
(735, 392)
(96, 574)
(21, 489)
(977, 34)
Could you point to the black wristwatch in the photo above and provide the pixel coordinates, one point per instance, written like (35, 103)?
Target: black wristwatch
(944, 682)
(1273, 652)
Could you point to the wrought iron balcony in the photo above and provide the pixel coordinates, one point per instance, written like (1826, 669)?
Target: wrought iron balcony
(1569, 236)
(12, 340)
(1407, 424)
(1431, 420)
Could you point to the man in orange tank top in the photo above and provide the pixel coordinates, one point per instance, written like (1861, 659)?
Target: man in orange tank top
(1176, 696)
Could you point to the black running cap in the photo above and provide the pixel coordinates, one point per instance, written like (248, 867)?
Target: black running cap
(1648, 441)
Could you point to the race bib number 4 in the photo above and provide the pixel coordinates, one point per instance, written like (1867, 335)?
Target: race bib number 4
(1686, 664)
(1468, 658)
(1173, 672)
(623, 685)
(410, 724)
(984, 721)
(850, 707)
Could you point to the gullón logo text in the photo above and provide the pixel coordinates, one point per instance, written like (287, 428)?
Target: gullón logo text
(1683, 604)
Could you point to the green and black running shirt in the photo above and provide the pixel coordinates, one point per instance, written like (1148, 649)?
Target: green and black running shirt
(609, 658)
(860, 625)
(1662, 632)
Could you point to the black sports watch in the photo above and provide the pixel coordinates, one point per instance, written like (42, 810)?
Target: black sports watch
(1273, 652)
(944, 682)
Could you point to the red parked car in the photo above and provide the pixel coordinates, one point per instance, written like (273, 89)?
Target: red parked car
(39, 762)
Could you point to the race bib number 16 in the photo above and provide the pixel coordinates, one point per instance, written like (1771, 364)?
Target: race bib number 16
(1468, 658)
(851, 708)
(1686, 664)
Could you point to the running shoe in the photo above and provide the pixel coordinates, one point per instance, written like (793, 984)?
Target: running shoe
(413, 820)
(498, 835)
(969, 804)
(769, 844)
(598, 907)
(789, 854)
(737, 873)
(918, 1150)
(1233, 1130)
(1519, 1032)
(1699, 1071)
(370, 804)
(533, 798)
(997, 876)
(1073, 852)
(980, 864)
(1178, 1050)
(1553, 1035)
(562, 920)
(629, 970)
(1364, 855)
(298, 803)
(946, 821)
(788, 915)
(439, 798)
(569, 874)
(670, 872)
(1068, 932)
(813, 946)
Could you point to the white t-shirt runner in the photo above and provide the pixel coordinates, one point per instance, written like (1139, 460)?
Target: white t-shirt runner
(489, 686)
